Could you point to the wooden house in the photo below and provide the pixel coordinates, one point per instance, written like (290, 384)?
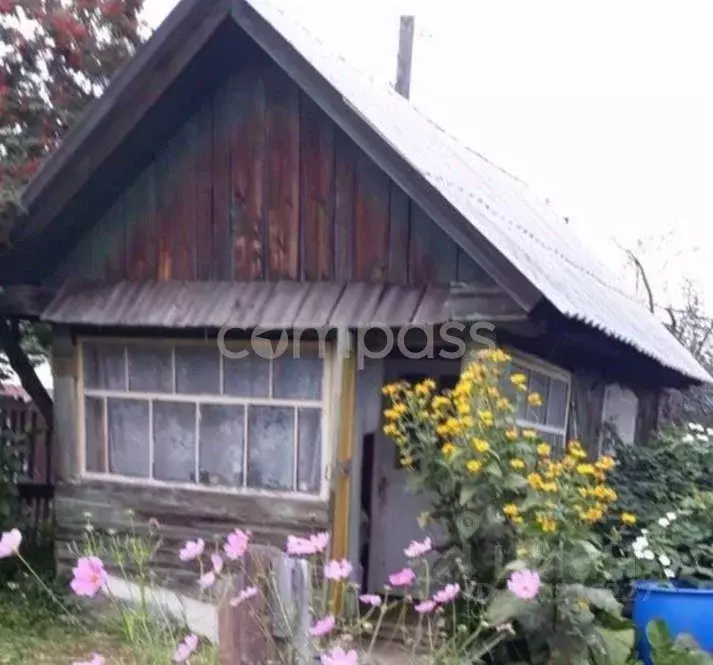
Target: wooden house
(238, 184)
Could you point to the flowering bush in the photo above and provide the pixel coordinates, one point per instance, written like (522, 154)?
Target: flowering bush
(507, 503)
(344, 624)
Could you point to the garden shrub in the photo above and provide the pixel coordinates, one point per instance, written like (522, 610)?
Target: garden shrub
(507, 504)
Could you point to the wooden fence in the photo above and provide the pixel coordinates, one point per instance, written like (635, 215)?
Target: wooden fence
(28, 438)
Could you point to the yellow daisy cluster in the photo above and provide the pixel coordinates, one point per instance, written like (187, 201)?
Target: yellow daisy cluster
(470, 433)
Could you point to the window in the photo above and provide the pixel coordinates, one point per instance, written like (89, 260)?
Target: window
(185, 413)
(619, 415)
(549, 419)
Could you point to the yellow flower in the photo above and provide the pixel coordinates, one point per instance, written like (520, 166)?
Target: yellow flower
(583, 604)
(391, 390)
(511, 510)
(549, 487)
(605, 463)
(547, 524)
(518, 379)
(585, 469)
(604, 493)
(529, 434)
(425, 387)
(474, 465)
(543, 450)
(628, 518)
(521, 552)
(535, 481)
(486, 418)
(492, 391)
(576, 450)
(503, 404)
(390, 429)
(517, 464)
(448, 450)
(439, 402)
(407, 461)
(511, 434)
(463, 408)
(517, 519)
(593, 514)
(553, 469)
(534, 399)
(481, 445)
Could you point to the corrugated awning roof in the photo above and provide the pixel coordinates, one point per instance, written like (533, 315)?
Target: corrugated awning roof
(274, 305)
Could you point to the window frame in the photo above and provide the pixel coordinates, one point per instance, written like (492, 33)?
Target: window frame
(533, 363)
(324, 404)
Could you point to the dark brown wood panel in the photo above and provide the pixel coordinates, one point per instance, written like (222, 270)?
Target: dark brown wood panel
(317, 154)
(247, 123)
(282, 191)
(257, 184)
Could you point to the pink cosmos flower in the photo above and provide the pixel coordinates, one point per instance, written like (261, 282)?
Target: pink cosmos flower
(89, 576)
(524, 584)
(425, 606)
(337, 570)
(206, 580)
(191, 550)
(96, 659)
(10, 543)
(338, 656)
(245, 594)
(297, 546)
(405, 577)
(322, 627)
(418, 548)
(236, 544)
(185, 649)
(319, 541)
(217, 562)
(154, 523)
(447, 594)
(370, 599)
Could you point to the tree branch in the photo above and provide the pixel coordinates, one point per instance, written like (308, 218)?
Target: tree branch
(10, 343)
(644, 278)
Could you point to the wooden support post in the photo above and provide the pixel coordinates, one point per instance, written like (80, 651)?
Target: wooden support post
(274, 625)
(65, 430)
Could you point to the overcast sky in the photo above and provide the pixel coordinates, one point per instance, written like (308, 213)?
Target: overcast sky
(604, 107)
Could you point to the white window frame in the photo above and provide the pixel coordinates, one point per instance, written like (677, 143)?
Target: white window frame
(535, 364)
(328, 362)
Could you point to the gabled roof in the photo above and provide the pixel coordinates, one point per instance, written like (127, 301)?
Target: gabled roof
(488, 212)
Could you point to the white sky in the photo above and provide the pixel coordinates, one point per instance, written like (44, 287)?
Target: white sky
(603, 106)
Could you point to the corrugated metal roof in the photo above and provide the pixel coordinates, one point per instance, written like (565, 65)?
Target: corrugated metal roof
(274, 305)
(526, 231)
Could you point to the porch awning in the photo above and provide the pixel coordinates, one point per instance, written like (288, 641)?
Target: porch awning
(275, 305)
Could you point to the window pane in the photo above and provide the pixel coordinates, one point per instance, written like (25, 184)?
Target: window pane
(539, 383)
(128, 437)
(557, 403)
(246, 377)
(516, 396)
(95, 435)
(270, 447)
(104, 366)
(151, 369)
(174, 430)
(298, 378)
(309, 447)
(197, 370)
(222, 438)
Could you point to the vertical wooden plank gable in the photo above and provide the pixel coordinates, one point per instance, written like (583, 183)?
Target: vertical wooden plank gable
(247, 117)
(371, 221)
(203, 188)
(316, 191)
(400, 211)
(282, 198)
(344, 196)
(433, 256)
(221, 175)
(140, 219)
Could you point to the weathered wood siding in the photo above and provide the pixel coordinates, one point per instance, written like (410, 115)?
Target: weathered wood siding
(181, 514)
(259, 184)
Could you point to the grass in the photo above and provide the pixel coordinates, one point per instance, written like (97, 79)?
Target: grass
(33, 629)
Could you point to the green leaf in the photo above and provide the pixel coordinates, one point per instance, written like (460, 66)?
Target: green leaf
(619, 644)
(659, 636)
(602, 599)
(494, 469)
(466, 494)
(467, 524)
(514, 481)
(504, 606)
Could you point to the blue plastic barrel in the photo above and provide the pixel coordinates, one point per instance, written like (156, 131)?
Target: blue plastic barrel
(684, 610)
